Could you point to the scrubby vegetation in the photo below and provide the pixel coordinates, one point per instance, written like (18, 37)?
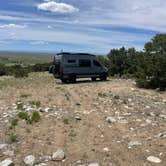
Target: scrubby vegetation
(30, 119)
(13, 138)
(148, 67)
(20, 71)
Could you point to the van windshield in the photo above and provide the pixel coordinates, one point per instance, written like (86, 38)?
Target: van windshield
(96, 63)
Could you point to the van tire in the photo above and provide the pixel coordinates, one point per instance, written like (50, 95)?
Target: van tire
(93, 78)
(103, 77)
(64, 80)
(72, 78)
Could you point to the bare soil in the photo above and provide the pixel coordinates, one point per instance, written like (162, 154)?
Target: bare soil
(140, 116)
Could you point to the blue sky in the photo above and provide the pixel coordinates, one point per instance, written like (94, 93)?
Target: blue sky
(79, 25)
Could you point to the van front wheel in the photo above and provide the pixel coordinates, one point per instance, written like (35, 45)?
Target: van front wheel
(93, 78)
(103, 77)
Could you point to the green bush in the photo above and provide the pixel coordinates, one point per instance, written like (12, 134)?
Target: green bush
(66, 121)
(35, 117)
(13, 138)
(14, 122)
(23, 115)
(35, 103)
(20, 106)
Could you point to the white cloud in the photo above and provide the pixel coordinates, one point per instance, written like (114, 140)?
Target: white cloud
(13, 26)
(56, 7)
(38, 43)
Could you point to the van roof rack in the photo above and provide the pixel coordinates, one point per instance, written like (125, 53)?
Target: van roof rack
(69, 53)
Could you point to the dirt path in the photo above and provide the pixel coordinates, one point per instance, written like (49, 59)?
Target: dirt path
(76, 118)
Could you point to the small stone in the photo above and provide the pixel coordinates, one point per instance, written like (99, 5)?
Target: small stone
(41, 164)
(148, 121)
(106, 149)
(77, 117)
(129, 99)
(3, 146)
(164, 101)
(29, 160)
(153, 159)
(9, 153)
(58, 155)
(7, 162)
(134, 143)
(110, 119)
(46, 109)
(93, 164)
(161, 135)
(123, 121)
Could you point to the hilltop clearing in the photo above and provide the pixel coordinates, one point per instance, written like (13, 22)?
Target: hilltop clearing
(111, 123)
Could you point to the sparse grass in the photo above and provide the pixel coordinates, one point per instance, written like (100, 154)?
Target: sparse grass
(67, 96)
(66, 121)
(25, 95)
(14, 122)
(23, 115)
(117, 97)
(13, 138)
(35, 117)
(102, 94)
(72, 134)
(28, 130)
(35, 103)
(20, 106)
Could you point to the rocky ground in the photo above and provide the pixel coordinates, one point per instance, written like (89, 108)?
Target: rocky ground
(110, 123)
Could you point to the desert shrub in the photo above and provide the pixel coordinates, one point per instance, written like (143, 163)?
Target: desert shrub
(13, 138)
(66, 121)
(23, 115)
(41, 67)
(35, 103)
(35, 117)
(14, 122)
(25, 95)
(20, 106)
(2, 70)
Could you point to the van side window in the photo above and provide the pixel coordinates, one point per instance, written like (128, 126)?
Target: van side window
(71, 61)
(96, 63)
(84, 63)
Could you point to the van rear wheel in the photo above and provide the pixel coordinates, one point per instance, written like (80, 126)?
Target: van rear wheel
(64, 80)
(72, 78)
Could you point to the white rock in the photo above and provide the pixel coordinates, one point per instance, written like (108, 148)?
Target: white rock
(46, 109)
(110, 119)
(106, 149)
(93, 164)
(129, 99)
(29, 160)
(77, 117)
(7, 162)
(9, 153)
(164, 101)
(3, 146)
(134, 143)
(123, 121)
(58, 155)
(153, 159)
(41, 164)
(148, 121)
